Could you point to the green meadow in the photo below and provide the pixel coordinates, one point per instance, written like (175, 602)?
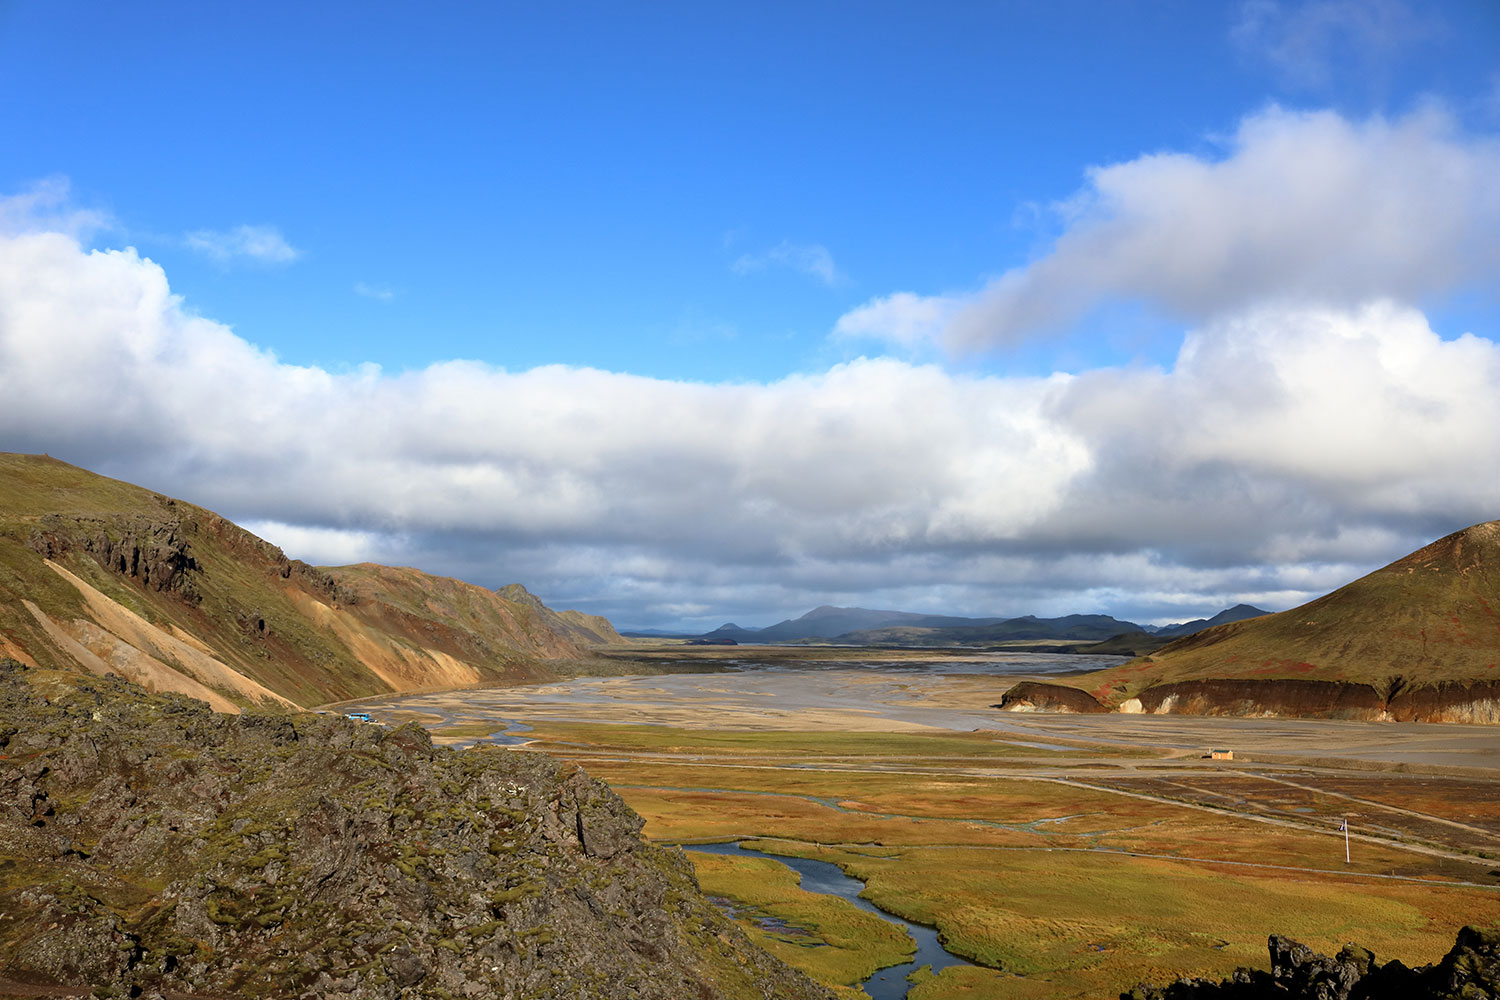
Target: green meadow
(1058, 888)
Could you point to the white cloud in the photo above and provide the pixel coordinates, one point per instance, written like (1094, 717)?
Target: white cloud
(1304, 41)
(1304, 209)
(812, 259)
(903, 318)
(1287, 446)
(47, 206)
(258, 243)
(377, 292)
(322, 546)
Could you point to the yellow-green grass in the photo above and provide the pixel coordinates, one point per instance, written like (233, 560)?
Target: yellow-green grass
(839, 944)
(912, 792)
(688, 802)
(1012, 870)
(1091, 925)
(1143, 828)
(939, 745)
(967, 982)
(699, 816)
(749, 804)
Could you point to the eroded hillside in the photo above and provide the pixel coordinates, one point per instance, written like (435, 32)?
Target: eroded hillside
(1416, 640)
(100, 575)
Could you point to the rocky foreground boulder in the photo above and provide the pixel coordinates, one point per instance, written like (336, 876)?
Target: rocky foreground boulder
(1470, 971)
(150, 846)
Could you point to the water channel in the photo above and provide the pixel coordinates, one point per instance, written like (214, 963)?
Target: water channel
(889, 983)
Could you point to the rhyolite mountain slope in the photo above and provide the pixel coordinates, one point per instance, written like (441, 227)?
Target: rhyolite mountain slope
(1401, 641)
(101, 575)
(149, 845)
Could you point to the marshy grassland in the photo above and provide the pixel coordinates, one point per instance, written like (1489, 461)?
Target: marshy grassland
(822, 935)
(1061, 888)
(1064, 865)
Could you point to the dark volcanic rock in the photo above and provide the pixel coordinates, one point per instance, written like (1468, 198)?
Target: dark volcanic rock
(1037, 696)
(1470, 971)
(150, 845)
(155, 552)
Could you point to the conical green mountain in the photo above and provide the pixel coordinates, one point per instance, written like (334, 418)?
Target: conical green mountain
(100, 575)
(1427, 620)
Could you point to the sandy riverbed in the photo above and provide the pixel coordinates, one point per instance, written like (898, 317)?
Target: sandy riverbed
(941, 695)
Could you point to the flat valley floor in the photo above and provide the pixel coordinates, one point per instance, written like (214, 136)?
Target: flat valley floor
(1068, 855)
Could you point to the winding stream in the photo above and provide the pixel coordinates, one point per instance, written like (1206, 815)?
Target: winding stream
(889, 983)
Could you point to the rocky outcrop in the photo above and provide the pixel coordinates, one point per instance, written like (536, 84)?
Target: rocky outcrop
(1477, 702)
(1470, 971)
(155, 552)
(1448, 701)
(1038, 696)
(151, 845)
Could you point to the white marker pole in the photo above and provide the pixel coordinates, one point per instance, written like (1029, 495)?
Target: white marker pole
(1344, 825)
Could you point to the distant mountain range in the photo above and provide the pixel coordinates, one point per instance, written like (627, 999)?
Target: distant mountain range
(866, 627)
(1238, 613)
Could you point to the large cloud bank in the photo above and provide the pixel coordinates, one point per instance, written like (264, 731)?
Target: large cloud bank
(1312, 425)
(1325, 437)
(1303, 208)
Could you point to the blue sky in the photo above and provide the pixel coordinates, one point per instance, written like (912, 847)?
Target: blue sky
(710, 194)
(574, 183)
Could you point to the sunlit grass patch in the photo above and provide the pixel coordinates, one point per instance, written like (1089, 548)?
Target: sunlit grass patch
(968, 982)
(869, 745)
(946, 844)
(1105, 919)
(693, 815)
(1092, 925)
(844, 944)
(467, 730)
(1008, 800)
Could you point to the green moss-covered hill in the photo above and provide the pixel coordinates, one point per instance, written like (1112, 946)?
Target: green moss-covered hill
(1427, 623)
(152, 847)
(100, 575)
